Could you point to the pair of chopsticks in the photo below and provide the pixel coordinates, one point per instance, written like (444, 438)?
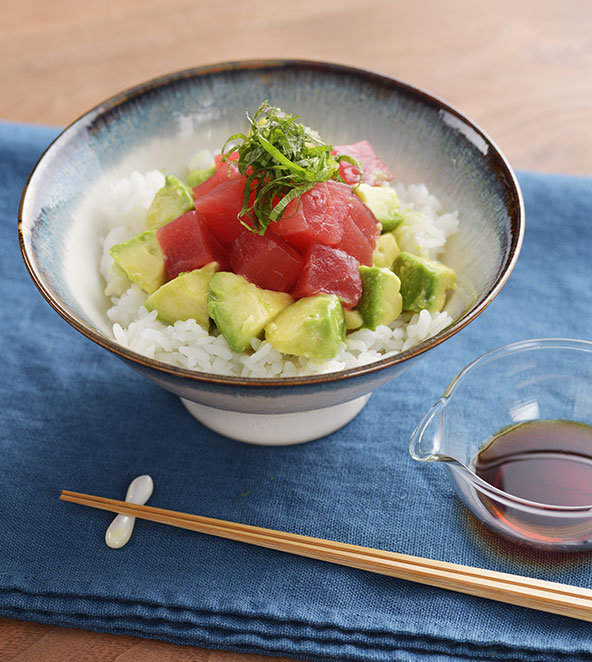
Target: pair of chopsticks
(537, 594)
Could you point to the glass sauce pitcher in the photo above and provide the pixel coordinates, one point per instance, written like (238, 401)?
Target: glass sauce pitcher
(544, 379)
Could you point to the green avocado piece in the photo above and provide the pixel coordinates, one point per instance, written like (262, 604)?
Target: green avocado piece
(313, 327)
(353, 320)
(184, 297)
(196, 177)
(381, 301)
(142, 260)
(384, 204)
(423, 282)
(169, 202)
(118, 281)
(201, 167)
(386, 251)
(240, 309)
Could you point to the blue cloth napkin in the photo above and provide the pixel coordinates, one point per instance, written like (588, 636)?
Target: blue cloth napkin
(74, 417)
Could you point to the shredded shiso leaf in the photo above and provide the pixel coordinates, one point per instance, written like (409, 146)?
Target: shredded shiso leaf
(281, 159)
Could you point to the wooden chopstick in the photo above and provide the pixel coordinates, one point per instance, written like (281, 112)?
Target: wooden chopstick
(537, 594)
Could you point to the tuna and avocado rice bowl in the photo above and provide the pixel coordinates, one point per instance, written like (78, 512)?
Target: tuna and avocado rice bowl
(281, 256)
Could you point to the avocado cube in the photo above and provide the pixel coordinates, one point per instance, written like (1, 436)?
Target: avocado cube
(142, 260)
(201, 167)
(312, 326)
(184, 297)
(384, 204)
(381, 301)
(118, 281)
(386, 251)
(353, 320)
(240, 309)
(423, 282)
(169, 202)
(196, 177)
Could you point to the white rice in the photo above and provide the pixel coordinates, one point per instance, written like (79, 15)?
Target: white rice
(187, 345)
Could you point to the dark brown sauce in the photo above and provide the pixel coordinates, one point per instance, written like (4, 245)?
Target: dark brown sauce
(547, 461)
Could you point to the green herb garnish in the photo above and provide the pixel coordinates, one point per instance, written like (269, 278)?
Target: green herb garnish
(281, 159)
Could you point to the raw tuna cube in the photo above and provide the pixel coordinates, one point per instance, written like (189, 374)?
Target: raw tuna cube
(224, 172)
(187, 243)
(374, 171)
(363, 217)
(332, 271)
(355, 243)
(267, 261)
(318, 216)
(360, 228)
(220, 207)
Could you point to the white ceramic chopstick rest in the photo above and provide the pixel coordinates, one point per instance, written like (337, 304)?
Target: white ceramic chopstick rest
(120, 529)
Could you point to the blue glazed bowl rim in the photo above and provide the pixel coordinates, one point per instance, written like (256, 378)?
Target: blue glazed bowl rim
(515, 206)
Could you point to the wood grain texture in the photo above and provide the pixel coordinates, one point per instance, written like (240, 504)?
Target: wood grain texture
(521, 70)
(32, 642)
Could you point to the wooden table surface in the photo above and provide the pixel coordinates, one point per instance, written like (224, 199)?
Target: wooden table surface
(521, 70)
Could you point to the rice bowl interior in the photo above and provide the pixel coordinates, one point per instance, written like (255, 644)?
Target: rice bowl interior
(188, 345)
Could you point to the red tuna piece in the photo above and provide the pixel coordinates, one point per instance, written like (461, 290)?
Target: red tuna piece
(188, 243)
(220, 207)
(318, 217)
(355, 243)
(225, 172)
(267, 261)
(360, 231)
(331, 271)
(374, 171)
(363, 217)
(360, 228)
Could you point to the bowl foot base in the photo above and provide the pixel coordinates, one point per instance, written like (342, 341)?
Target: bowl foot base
(277, 429)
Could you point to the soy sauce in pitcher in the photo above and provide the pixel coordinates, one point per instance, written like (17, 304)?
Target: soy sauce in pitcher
(547, 461)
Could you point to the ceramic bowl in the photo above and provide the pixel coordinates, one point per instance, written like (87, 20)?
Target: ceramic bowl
(161, 124)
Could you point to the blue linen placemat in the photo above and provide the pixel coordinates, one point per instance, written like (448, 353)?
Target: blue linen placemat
(74, 417)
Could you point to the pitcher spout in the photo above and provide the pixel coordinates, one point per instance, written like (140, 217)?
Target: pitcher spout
(426, 440)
